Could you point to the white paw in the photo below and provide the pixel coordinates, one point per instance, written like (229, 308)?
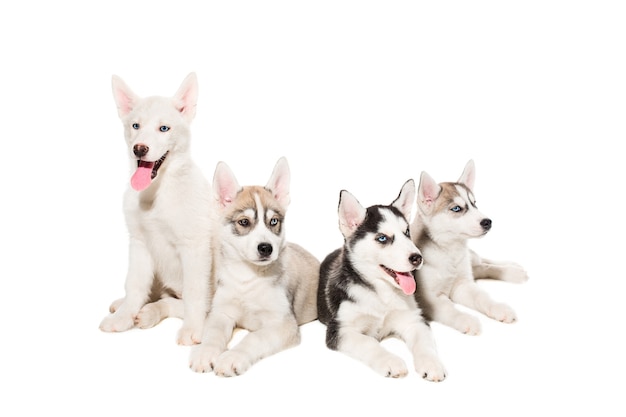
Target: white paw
(115, 305)
(148, 316)
(515, 273)
(231, 363)
(430, 368)
(467, 324)
(503, 313)
(202, 358)
(188, 335)
(390, 366)
(117, 323)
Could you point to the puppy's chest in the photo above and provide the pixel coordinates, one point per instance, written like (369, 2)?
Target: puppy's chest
(250, 299)
(442, 270)
(373, 312)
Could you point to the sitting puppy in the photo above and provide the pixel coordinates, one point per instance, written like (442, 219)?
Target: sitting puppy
(366, 288)
(263, 284)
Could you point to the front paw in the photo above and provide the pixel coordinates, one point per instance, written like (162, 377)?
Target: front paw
(117, 323)
(149, 316)
(231, 363)
(390, 366)
(430, 368)
(502, 312)
(202, 358)
(515, 273)
(189, 335)
(467, 324)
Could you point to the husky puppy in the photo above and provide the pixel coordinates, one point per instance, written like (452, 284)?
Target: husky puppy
(447, 217)
(166, 214)
(366, 288)
(264, 284)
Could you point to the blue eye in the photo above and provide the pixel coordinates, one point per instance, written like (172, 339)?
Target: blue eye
(274, 222)
(456, 209)
(382, 238)
(136, 126)
(244, 222)
(164, 128)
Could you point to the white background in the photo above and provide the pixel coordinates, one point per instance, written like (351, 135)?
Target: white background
(357, 95)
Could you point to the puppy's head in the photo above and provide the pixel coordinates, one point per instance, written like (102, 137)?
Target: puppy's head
(449, 208)
(253, 216)
(155, 127)
(377, 239)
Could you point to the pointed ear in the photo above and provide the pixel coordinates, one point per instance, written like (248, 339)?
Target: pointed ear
(468, 177)
(427, 192)
(405, 200)
(279, 182)
(351, 213)
(186, 97)
(124, 97)
(225, 185)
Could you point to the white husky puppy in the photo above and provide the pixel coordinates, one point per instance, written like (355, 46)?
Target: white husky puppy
(167, 214)
(366, 288)
(447, 217)
(264, 284)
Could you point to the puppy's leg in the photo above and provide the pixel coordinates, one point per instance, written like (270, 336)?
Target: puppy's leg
(369, 351)
(418, 336)
(138, 284)
(152, 313)
(445, 312)
(276, 335)
(469, 294)
(504, 271)
(218, 330)
(196, 289)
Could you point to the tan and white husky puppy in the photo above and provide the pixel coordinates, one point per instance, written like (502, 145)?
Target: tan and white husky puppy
(366, 290)
(166, 213)
(264, 284)
(446, 218)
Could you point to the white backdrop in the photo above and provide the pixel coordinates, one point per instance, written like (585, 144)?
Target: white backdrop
(358, 95)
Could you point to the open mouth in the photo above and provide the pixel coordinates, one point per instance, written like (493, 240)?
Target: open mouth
(146, 172)
(405, 280)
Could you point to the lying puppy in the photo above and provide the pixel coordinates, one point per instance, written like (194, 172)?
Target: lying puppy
(366, 288)
(263, 284)
(447, 217)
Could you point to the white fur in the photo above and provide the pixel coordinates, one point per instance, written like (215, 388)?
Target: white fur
(268, 295)
(169, 222)
(450, 267)
(373, 314)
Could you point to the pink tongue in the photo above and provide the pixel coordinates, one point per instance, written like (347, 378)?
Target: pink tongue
(142, 178)
(407, 282)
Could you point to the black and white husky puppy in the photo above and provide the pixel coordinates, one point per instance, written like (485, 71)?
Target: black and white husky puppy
(366, 288)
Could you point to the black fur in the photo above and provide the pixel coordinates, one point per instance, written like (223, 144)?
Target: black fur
(337, 274)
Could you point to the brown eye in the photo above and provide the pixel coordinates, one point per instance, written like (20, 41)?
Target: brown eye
(244, 222)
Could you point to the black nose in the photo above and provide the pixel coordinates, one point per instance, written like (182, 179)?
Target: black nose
(265, 249)
(140, 150)
(486, 224)
(415, 259)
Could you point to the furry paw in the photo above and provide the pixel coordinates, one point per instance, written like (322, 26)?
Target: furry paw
(117, 323)
(390, 366)
(115, 305)
(467, 324)
(503, 313)
(188, 336)
(430, 368)
(514, 273)
(148, 316)
(202, 358)
(231, 363)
